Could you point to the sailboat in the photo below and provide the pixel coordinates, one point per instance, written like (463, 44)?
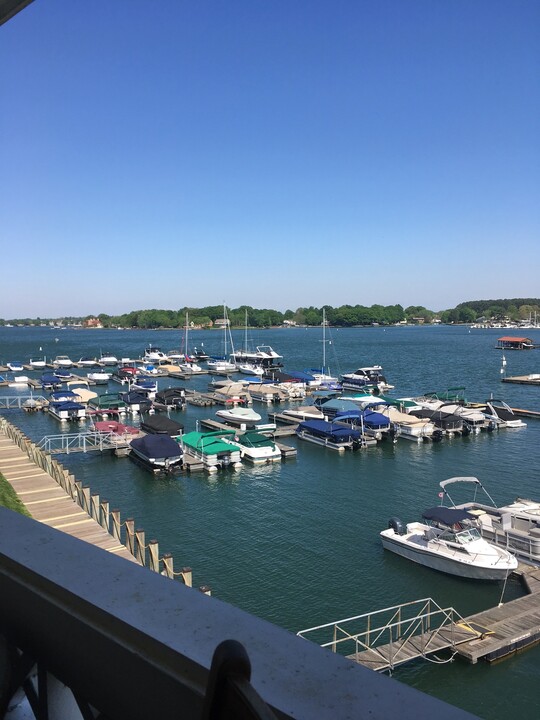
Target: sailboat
(322, 375)
(188, 365)
(223, 366)
(247, 366)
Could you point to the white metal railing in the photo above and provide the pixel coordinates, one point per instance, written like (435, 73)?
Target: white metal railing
(18, 401)
(393, 627)
(83, 442)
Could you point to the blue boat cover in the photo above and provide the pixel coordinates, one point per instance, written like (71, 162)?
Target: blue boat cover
(302, 376)
(375, 419)
(63, 396)
(322, 428)
(157, 446)
(447, 516)
(68, 405)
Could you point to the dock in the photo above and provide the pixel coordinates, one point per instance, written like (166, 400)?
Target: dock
(532, 379)
(384, 639)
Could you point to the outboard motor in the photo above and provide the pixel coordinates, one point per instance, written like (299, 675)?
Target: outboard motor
(396, 525)
(437, 436)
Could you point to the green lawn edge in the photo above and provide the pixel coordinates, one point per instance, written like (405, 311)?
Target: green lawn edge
(10, 499)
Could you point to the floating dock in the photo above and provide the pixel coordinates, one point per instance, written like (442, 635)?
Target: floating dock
(532, 379)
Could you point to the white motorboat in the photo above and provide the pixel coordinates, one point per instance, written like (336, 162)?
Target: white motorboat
(243, 416)
(304, 412)
(15, 366)
(263, 355)
(62, 361)
(67, 410)
(154, 355)
(256, 448)
(502, 414)
(250, 369)
(515, 527)
(364, 376)
(19, 381)
(99, 377)
(450, 543)
(108, 359)
(38, 363)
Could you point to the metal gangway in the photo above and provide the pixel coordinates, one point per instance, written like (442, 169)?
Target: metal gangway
(384, 639)
(12, 402)
(83, 442)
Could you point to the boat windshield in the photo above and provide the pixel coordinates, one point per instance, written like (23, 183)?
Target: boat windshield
(467, 536)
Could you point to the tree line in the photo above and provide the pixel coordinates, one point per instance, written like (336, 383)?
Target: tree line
(342, 316)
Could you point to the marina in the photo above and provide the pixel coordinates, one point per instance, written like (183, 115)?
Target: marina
(289, 521)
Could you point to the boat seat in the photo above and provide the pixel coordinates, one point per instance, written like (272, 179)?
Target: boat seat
(430, 534)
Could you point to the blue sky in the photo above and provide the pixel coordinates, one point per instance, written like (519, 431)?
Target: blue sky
(274, 153)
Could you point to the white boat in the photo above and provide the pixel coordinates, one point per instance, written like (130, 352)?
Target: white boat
(364, 376)
(67, 410)
(186, 363)
(256, 448)
(38, 363)
(304, 412)
(62, 361)
(448, 542)
(250, 369)
(154, 355)
(99, 377)
(220, 365)
(245, 417)
(19, 381)
(15, 366)
(515, 527)
(407, 426)
(265, 393)
(502, 414)
(108, 359)
(88, 362)
(322, 375)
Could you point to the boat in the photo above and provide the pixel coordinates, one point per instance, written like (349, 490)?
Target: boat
(107, 404)
(38, 363)
(62, 361)
(15, 366)
(265, 393)
(263, 355)
(49, 381)
(449, 423)
(160, 452)
(145, 385)
(174, 398)
(407, 426)
(231, 393)
(155, 355)
(19, 381)
(515, 527)
(255, 447)
(82, 389)
(250, 369)
(99, 377)
(136, 401)
(88, 362)
(108, 359)
(221, 365)
(176, 355)
(371, 375)
(211, 450)
(113, 427)
(64, 396)
(373, 424)
(330, 435)
(186, 363)
(449, 542)
(304, 412)
(200, 354)
(245, 417)
(322, 375)
(160, 425)
(62, 374)
(125, 375)
(67, 410)
(502, 414)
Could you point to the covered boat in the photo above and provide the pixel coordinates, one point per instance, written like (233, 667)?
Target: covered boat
(174, 398)
(241, 416)
(212, 450)
(160, 452)
(136, 401)
(255, 447)
(99, 377)
(161, 425)
(67, 410)
(107, 404)
(450, 543)
(330, 435)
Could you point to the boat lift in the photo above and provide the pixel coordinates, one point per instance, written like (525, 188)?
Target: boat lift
(384, 639)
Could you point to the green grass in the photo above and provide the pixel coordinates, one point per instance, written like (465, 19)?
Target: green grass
(9, 498)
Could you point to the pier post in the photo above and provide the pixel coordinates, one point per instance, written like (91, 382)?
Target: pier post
(95, 507)
(153, 555)
(130, 535)
(79, 493)
(187, 576)
(140, 550)
(105, 513)
(86, 506)
(168, 569)
(116, 525)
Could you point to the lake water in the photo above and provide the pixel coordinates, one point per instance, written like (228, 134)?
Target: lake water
(297, 543)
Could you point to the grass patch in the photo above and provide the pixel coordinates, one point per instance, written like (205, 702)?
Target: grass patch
(10, 499)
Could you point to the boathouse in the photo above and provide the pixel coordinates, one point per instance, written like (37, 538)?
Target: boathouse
(514, 343)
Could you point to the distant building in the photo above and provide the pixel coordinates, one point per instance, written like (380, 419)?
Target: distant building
(92, 323)
(290, 323)
(222, 322)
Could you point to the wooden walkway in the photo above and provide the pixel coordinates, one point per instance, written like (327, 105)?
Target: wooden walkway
(47, 502)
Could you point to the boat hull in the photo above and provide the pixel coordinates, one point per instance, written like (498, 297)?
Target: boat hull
(418, 551)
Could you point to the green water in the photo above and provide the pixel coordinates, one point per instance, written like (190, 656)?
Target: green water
(297, 543)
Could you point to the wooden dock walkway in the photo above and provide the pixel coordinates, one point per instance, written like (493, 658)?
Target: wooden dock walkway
(48, 503)
(532, 379)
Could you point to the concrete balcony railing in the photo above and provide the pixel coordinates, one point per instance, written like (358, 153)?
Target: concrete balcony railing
(99, 634)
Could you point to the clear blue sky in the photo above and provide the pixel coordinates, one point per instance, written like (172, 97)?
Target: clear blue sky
(276, 153)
